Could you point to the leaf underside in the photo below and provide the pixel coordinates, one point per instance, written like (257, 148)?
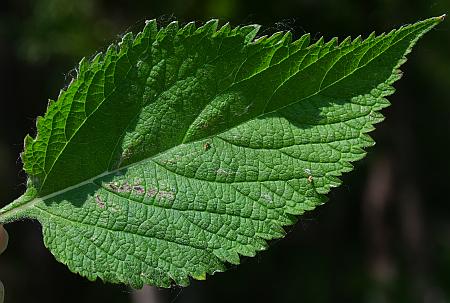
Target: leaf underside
(184, 148)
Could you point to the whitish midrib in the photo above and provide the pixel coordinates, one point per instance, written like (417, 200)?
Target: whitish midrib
(18, 208)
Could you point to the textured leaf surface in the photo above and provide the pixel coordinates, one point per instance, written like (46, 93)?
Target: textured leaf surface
(184, 148)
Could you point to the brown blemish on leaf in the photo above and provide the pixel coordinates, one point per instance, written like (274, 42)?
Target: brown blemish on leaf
(99, 201)
(114, 186)
(124, 188)
(152, 192)
(168, 195)
(206, 146)
(139, 189)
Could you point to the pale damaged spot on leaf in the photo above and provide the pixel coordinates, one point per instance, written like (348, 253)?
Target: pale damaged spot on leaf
(99, 201)
(223, 172)
(139, 189)
(161, 194)
(127, 188)
(267, 198)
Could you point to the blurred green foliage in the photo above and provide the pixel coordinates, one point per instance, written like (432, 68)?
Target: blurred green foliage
(60, 27)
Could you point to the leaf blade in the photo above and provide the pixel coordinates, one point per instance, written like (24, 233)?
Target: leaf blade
(267, 129)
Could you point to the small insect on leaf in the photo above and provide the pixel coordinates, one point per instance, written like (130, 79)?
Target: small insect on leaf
(206, 146)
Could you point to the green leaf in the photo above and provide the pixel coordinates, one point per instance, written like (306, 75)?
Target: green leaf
(184, 148)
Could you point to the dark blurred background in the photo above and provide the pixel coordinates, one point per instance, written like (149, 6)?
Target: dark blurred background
(384, 236)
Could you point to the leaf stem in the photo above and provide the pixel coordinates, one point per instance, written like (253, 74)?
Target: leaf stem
(16, 209)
